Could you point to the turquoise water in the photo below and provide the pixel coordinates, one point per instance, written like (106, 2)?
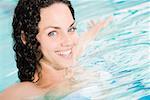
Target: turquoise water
(122, 49)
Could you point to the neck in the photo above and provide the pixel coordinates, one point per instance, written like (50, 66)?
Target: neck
(50, 76)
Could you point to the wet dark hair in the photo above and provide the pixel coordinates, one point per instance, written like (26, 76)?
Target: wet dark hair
(25, 22)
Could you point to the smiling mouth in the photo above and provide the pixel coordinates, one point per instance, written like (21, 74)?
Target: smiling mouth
(67, 54)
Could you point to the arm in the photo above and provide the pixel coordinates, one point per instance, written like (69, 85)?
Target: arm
(91, 34)
(19, 91)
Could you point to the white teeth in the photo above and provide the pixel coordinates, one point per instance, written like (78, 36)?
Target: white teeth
(65, 53)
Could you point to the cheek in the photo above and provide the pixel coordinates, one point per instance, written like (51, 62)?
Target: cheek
(76, 39)
(48, 46)
(52, 45)
(48, 50)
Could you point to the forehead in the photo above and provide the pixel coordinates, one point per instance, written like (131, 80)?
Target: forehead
(57, 14)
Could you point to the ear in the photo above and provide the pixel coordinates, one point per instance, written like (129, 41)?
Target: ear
(37, 37)
(23, 37)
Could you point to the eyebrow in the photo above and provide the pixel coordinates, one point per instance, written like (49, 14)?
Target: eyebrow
(56, 27)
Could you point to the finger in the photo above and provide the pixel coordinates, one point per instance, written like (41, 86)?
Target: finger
(91, 23)
(97, 27)
(107, 21)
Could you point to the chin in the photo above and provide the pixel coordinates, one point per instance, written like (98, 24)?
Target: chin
(65, 58)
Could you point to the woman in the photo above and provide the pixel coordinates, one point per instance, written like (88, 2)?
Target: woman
(46, 46)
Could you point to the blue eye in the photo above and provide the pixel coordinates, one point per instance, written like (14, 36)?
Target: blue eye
(73, 29)
(53, 33)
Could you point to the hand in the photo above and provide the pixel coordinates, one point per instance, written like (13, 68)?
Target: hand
(91, 34)
(95, 28)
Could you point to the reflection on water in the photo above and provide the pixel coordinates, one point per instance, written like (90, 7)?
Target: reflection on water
(121, 49)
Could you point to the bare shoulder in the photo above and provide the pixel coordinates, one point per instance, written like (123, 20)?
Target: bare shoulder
(20, 90)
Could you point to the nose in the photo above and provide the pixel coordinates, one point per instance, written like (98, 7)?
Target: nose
(66, 40)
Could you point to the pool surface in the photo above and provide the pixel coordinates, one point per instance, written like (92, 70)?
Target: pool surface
(122, 48)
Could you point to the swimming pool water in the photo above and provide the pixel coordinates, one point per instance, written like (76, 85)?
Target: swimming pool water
(122, 48)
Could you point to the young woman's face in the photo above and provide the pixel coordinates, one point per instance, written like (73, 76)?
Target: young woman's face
(57, 36)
